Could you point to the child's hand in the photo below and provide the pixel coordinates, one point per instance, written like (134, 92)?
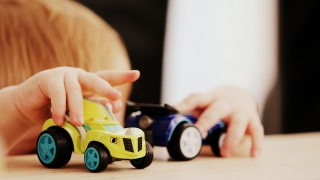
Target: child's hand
(64, 87)
(25, 107)
(232, 105)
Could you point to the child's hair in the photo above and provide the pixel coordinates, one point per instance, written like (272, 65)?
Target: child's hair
(40, 34)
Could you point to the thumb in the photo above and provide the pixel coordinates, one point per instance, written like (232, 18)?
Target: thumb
(193, 102)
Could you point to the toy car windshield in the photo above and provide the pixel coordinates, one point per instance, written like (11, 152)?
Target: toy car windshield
(113, 128)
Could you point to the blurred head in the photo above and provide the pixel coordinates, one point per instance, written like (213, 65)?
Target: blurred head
(40, 34)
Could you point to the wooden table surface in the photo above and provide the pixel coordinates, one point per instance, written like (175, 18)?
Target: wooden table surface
(294, 156)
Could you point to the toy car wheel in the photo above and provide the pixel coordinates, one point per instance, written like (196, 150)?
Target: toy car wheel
(54, 147)
(217, 138)
(144, 161)
(96, 158)
(185, 143)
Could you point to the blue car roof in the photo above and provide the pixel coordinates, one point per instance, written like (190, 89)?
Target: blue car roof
(151, 109)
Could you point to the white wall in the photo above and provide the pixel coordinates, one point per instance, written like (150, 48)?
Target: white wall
(209, 43)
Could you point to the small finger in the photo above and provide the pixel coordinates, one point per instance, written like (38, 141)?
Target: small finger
(57, 95)
(216, 111)
(74, 99)
(94, 83)
(193, 102)
(235, 132)
(115, 77)
(256, 131)
(116, 106)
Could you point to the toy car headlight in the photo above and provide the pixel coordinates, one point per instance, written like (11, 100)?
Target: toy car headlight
(113, 140)
(130, 132)
(145, 122)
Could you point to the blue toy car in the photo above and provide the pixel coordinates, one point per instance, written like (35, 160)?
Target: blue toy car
(165, 127)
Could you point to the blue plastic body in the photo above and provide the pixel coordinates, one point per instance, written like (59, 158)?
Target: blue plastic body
(162, 127)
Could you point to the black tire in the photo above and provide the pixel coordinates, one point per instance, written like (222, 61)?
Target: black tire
(145, 161)
(54, 147)
(215, 138)
(176, 147)
(96, 158)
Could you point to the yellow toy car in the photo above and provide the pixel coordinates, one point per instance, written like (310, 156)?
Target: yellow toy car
(101, 139)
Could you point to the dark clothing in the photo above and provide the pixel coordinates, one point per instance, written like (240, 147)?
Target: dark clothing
(299, 56)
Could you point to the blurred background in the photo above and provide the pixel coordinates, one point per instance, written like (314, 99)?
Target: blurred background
(268, 47)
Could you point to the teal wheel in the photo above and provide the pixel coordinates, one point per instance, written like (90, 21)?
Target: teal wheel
(54, 147)
(96, 158)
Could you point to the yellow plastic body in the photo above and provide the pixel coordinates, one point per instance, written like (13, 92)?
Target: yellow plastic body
(102, 128)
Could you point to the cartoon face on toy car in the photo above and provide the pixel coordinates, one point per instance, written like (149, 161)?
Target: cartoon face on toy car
(101, 139)
(164, 126)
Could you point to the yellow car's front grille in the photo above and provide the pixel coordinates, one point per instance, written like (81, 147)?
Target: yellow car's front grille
(139, 144)
(128, 144)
